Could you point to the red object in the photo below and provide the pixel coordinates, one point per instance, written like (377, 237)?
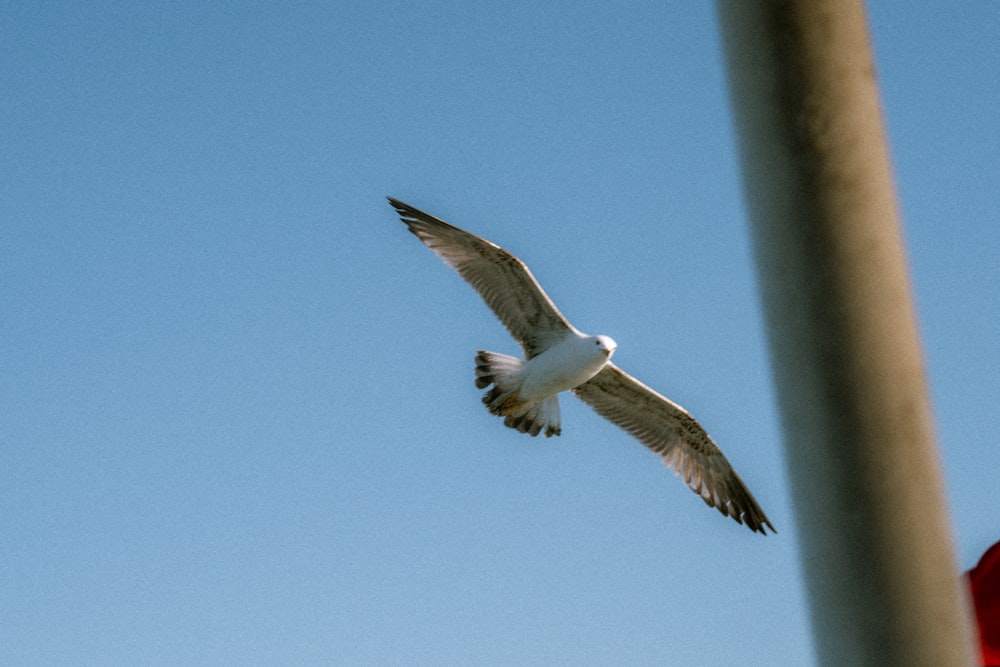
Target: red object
(984, 581)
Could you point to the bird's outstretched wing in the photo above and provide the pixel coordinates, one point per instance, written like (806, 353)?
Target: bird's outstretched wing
(504, 282)
(669, 431)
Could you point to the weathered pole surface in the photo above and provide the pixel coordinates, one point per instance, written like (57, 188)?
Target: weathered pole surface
(874, 536)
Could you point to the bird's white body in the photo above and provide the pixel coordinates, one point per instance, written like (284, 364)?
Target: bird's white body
(567, 364)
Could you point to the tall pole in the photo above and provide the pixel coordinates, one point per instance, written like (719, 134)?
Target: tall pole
(874, 536)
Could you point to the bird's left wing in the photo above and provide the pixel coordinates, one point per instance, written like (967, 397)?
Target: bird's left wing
(502, 280)
(671, 432)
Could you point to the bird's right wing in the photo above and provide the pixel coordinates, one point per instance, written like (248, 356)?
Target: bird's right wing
(669, 431)
(502, 280)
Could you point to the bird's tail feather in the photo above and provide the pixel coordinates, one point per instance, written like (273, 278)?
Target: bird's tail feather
(504, 400)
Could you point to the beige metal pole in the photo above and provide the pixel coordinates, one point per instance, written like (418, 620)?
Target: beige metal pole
(874, 536)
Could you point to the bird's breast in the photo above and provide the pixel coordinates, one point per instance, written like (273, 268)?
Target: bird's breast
(561, 367)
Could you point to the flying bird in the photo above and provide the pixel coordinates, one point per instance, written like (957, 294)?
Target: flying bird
(558, 357)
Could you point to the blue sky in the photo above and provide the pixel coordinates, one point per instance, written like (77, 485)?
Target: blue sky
(240, 425)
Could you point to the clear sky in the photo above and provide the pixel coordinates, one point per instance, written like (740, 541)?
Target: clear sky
(239, 424)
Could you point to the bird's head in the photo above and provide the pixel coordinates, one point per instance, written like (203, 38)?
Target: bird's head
(606, 345)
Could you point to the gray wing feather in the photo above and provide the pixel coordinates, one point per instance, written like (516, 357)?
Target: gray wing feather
(502, 280)
(669, 431)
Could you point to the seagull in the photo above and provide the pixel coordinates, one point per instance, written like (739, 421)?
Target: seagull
(558, 357)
